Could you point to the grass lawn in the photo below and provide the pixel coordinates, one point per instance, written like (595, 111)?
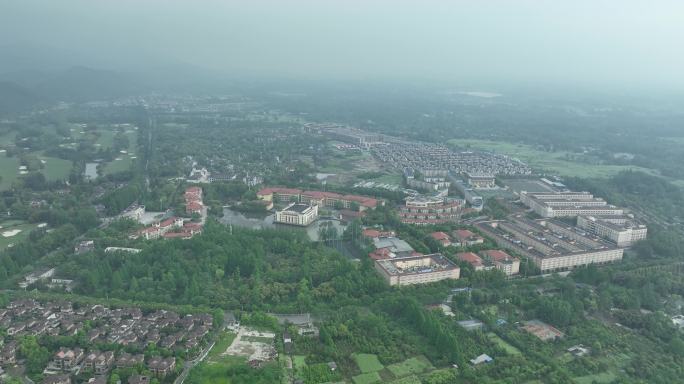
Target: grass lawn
(9, 171)
(223, 342)
(511, 350)
(126, 161)
(233, 369)
(10, 225)
(561, 162)
(413, 365)
(54, 168)
(413, 379)
(367, 362)
(298, 361)
(604, 377)
(367, 378)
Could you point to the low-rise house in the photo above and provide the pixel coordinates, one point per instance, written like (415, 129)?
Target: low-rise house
(8, 354)
(441, 238)
(474, 260)
(84, 246)
(99, 362)
(466, 238)
(162, 366)
(66, 359)
(508, 264)
(127, 360)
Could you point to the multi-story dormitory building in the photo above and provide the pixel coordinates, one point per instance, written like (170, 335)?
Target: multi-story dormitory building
(561, 204)
(551, 245)
(622, 229)
(318, 198)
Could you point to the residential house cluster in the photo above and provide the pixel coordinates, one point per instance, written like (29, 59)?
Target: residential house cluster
(193, 200)
(128, 327)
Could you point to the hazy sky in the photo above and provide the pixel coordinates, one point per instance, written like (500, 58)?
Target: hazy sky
(567, 41)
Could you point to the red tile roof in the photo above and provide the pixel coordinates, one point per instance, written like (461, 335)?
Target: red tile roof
(168, 222)
(439, 236)
(380, 254)
(497, 255)
(470, 258)
(463, 234)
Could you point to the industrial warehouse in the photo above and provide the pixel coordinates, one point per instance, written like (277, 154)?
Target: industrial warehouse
(552, 244)
(417, 269)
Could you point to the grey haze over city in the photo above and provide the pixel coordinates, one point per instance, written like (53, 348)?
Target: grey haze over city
(612, 43)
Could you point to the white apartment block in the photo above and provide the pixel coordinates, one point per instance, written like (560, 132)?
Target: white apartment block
(618, 229)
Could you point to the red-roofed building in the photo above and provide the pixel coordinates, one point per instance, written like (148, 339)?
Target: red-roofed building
(374, 233)
(508, 264)
(472, 259)
(442, 238)
(177, 235)
(319, 198)
(193, 194)
(466, 238)
(381, 254)
(193, 207)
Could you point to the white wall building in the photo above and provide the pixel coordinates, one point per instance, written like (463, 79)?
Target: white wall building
(297, 214)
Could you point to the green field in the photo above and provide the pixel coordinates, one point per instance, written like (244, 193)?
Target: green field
(8, 171)
(367, 378)
(413, 379)
(413, 365)
(126, 160)
(511, 350)
(54, 168)
(298, 361)
(9, 225)
(223, 342)
(367, 362)
(562, 163)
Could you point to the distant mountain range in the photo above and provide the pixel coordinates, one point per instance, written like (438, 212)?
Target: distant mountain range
(26, 89)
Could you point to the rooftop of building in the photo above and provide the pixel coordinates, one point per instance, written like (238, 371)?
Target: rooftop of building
(297, 207)
(412, 265)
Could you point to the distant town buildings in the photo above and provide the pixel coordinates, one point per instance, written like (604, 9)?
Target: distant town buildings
(421, 269)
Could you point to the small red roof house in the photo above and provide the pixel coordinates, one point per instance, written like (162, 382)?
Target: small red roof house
(192, 228)
(170, 223)
(193, 207)
(466, 238)
(471, 259)
(498, 255)
(442, 238)
(374, 233)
